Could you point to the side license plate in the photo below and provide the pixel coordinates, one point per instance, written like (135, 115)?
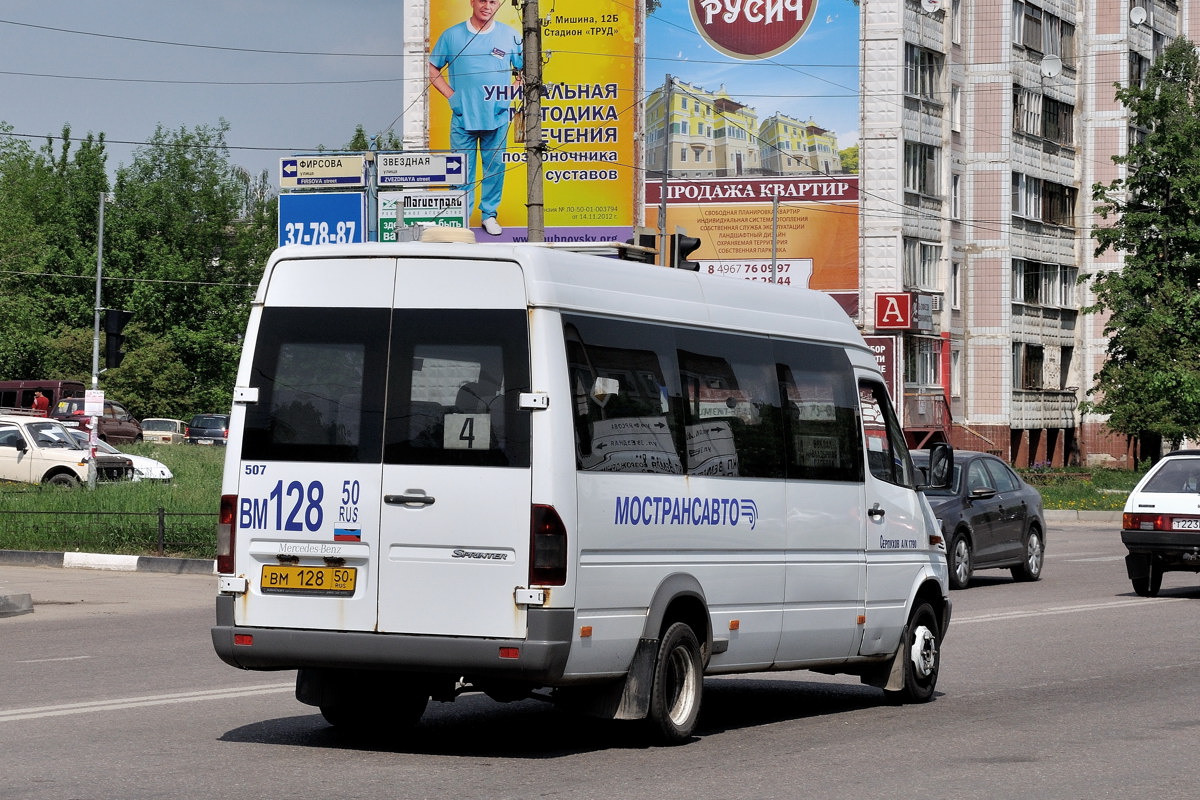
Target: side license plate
(286, 579)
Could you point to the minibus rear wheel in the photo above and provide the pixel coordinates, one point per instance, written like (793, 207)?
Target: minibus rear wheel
(678, 685)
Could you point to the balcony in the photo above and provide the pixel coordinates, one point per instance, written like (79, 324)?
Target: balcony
(1044, 408)
(926, 418)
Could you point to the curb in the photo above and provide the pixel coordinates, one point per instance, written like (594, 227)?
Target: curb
(13, 604)
(39, 558)
(1063, 515)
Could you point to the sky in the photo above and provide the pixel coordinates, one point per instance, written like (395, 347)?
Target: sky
(290, 76)
(287, 75)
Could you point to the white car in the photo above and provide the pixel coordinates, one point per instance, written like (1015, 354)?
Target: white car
(1161, 523)
(144, 469)
(34, 449)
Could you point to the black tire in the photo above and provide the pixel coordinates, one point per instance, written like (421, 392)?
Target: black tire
(1149, 585)
(63, 480)
(678, 685)
(1033, 556)
(921, 649)
(961, 561)
(393, 713)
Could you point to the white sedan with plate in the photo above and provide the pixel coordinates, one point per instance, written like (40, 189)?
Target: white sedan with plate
(144, 469)
(1161, 524)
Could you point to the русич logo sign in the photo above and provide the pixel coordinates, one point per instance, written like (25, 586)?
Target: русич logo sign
(752, 29)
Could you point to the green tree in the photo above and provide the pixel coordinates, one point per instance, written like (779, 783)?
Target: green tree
(190, 233)
(386, 140)
(1150, 383)
(49, 203)
(849, 158)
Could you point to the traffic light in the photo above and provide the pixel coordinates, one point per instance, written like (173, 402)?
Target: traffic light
(682, 247)
(114, 323)
(646, 240)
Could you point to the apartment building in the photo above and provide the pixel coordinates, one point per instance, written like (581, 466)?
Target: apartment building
(984, 125)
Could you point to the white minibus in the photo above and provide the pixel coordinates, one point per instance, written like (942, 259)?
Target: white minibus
(529, 472)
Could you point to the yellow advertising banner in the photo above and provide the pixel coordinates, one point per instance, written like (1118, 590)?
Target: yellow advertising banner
(588, 106)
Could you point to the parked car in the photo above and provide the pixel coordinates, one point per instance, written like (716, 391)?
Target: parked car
(116, 424)
(208, 429)
(39, 450)
(163, 431)
(1161, 524)
(991, 518)
(144, 469)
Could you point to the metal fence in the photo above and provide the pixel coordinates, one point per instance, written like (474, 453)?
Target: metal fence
(159, 532)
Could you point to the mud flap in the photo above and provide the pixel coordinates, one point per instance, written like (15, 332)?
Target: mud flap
(635, 697)
(1138, 566)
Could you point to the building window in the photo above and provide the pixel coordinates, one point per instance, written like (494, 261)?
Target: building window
(921, 168)
(956, 21)
(922, 359)
(682, 154)
(1066, 357)
(1139, 68)
(1058, 121)
(1028, 361)
(955, 188)
(955, 373)
(1026, 196)
(922, 72)
(1035, 283)
(956, 285)
(956, 109)
(1058, 204)
(1027, 111)
(921, 261)
(1027, 26)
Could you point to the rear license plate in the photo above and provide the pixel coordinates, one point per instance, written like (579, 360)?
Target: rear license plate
(1185, 524)
(204, 441)
(334, 581)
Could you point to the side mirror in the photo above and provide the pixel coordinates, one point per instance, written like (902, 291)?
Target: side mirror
(941, 466)
(21, 446)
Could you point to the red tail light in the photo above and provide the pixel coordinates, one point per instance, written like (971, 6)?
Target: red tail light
(1146, 522)
(226, 533)
(547, 547)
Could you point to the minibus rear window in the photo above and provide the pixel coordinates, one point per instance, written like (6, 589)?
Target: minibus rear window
(320, 376)
(456, 379)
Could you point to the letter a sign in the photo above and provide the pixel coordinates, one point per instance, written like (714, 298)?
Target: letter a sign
(893, 310)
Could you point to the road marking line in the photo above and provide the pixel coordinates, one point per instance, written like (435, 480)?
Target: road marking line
(48, 660)
(1141, 601)
(40, 712)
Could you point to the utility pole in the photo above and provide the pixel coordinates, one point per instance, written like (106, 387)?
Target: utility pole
(531, 90)
(663, 248)
(96, 345)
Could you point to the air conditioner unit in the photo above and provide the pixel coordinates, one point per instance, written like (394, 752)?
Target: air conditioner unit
(937, 301)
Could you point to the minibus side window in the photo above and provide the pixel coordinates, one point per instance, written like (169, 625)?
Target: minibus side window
(319, 374)
(822, 431)
(453, 390)
(733, 421)
(625, 396)
(887, 454)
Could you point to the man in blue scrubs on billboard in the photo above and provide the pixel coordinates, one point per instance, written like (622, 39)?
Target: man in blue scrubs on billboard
(481, 57)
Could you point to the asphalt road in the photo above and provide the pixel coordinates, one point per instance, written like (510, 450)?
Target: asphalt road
(1071, 687)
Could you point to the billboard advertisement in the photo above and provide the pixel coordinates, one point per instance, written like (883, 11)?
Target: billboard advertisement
(749, 110)
(589, 108)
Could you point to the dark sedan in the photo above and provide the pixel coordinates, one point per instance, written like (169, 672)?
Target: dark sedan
(990, 517)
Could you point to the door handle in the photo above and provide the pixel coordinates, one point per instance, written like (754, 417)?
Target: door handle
(875, 511)
(412, 497)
